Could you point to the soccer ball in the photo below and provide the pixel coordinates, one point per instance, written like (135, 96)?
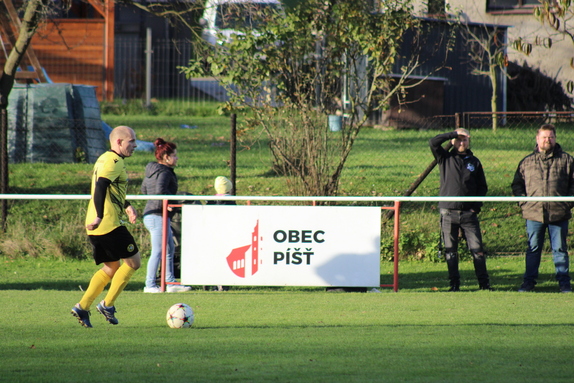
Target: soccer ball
(180, 315)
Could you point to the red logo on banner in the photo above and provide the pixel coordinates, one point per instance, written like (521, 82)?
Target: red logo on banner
(239, 256)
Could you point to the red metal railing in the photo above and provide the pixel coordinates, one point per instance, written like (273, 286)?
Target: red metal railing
(395, 208)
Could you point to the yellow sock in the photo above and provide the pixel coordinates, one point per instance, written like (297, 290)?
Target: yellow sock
(97, 284)
(119, 281)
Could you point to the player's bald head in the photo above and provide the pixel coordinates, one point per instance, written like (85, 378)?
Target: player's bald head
(123, 141)
(121, 132)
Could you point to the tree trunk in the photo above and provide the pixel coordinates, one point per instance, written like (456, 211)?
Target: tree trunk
(494, 97)
(32, 17)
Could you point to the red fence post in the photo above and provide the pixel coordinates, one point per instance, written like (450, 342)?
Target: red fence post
(163, 244)
(396, 232)
(396, 247)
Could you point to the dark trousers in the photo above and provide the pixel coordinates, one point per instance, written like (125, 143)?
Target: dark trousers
(453, 221)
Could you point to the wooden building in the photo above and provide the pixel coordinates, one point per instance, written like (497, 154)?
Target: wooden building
(75, 46)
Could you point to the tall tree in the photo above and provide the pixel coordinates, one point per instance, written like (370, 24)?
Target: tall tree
(34, 13)
(320, 58)
(487, 57)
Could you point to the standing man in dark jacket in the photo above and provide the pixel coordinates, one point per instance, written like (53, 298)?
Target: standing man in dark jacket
(461, 175)
(548, 171)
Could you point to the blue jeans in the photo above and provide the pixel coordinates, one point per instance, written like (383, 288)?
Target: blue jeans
(154, 225)
(557, 231)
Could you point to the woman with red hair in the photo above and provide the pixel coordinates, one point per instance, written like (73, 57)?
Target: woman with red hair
(160, 179)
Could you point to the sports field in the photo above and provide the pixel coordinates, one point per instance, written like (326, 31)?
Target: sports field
(419, 334)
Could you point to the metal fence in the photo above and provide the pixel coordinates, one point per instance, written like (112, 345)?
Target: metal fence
(381, 171)
(484, 120)
(167, 82)
(515, 120)
(153, 68)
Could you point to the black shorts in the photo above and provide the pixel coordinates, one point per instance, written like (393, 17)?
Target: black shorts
(113, 246)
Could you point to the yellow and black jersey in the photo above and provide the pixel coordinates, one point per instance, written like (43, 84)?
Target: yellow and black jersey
(111, 166)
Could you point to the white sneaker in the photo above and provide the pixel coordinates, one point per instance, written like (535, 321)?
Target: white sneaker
(152, 290)
(177, 288)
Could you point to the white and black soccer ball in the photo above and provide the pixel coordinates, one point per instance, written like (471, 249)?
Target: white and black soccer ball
(180, 315)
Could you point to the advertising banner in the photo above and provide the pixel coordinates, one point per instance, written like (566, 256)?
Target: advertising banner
(280, 245)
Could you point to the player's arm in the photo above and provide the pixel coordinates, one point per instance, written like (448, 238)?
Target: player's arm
(99, 198)
(131, 212)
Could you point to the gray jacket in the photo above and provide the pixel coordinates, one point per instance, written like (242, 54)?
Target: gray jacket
(159, 180)
(545, 175)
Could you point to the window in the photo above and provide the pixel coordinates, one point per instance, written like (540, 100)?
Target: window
(511, 6)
